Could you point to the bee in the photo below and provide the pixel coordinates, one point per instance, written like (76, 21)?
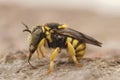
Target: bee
(58, 36)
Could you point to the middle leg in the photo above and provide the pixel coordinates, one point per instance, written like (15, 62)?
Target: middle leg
(52, 57)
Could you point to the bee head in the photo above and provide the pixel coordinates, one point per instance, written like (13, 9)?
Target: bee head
(36, 35)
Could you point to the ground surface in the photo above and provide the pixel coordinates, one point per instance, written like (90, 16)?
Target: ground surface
(15, 67)
(14, 45)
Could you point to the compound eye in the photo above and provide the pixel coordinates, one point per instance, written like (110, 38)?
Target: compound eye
(37, 30)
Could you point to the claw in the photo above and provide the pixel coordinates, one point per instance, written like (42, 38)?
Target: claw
(79, 65)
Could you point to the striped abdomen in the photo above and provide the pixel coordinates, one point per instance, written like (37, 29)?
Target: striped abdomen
(79, 46)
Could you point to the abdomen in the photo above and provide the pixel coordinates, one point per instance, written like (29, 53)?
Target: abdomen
(79, 46)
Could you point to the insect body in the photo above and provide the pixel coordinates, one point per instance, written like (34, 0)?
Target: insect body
(58, 36)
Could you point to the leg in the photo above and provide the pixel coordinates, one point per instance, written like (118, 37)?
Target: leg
(40, 53)
(72, 53)
(70, 60)
(43, 52)
(52, 57)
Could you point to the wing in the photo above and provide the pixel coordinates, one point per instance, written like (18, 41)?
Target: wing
(78, 35)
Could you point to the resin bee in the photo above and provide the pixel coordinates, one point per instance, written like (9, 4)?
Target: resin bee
(58, 36)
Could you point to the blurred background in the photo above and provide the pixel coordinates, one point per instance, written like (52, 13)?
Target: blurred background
(97, 18)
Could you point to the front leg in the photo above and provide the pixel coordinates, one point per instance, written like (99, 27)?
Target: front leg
(41, 53)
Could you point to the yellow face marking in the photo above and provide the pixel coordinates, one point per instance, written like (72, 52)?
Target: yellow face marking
(81, 46)
(75, 42)
(47, 28)
(62, 26)
(31, 47)
(69, 39)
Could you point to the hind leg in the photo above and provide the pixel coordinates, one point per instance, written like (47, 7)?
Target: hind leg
(71, 50)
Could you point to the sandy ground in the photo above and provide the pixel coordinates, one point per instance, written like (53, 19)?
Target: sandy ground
(14, 45)
(15, 67)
